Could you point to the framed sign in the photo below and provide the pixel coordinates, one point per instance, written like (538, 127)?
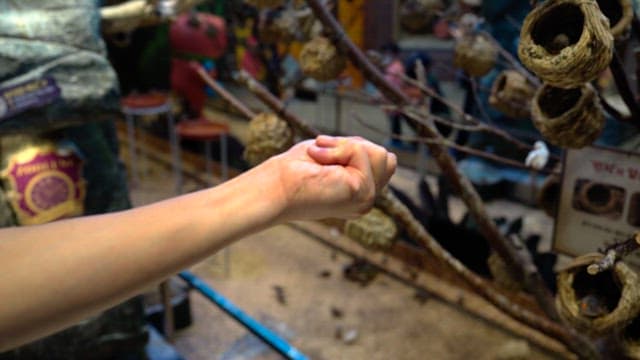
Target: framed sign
(599, 201)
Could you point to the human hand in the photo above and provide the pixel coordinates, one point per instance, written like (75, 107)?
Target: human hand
(336, 177)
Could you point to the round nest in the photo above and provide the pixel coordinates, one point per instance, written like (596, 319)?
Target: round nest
(597, 304)
(566, 43)
(568, 117)
(501, 274)
(281, 28)
(417, 15)
(263, 4)
(321, 60)
(620, 14)
(511, 94)
(268, 136)
(549, 195)
(374, 230)
(475, 54)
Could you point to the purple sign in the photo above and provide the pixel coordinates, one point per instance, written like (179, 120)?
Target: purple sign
(46, 184)
(33, 93)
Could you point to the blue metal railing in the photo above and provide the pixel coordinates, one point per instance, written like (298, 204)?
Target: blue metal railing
(269, 337)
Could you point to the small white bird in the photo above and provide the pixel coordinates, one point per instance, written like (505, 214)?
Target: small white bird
(539, 156)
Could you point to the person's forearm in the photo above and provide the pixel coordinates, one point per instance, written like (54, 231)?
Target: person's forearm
(78, 267)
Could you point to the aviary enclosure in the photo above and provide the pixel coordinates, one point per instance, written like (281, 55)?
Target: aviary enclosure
(592, 309)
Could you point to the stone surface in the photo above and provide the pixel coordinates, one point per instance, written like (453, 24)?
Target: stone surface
(60, 40)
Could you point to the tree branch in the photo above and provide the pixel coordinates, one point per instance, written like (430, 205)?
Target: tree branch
(467, 117)
(615, 252)
(276, 105)
(393, 207)
(453, 145)
(527, 272)
(223, 92)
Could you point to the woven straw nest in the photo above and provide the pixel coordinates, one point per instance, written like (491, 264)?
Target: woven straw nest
(501, 274)
(549, 195)
(620, 14)
(321, 60)
(598, 304)
(268, 136)
(416, 15)
(475, 54)
(568, 117)
(566, 42)
(282, 28)
(511, 94)
(374, 230)
(600, 198)
(263, 4)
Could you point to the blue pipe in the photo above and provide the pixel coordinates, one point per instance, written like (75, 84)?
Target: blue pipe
(269, 337)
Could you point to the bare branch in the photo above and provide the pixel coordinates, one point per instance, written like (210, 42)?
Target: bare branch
(276, 105)
(452, 145)
(224, 93)
(615, 252)
(522, 269)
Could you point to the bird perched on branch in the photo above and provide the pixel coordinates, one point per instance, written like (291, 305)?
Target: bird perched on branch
(538, 157)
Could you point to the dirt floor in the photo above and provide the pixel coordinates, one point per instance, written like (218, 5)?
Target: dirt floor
(295, 285)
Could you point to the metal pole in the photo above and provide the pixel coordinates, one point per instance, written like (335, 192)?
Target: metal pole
(131, 134)
(269, 337)
(225, 175)
(207, 164)
(175, 153)
(224, 157)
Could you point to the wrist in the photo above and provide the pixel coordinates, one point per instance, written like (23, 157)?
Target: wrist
(261, 189)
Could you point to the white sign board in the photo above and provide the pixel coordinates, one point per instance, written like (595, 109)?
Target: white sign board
(599, 201)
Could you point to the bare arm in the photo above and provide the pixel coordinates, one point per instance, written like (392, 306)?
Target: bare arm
(57, 274)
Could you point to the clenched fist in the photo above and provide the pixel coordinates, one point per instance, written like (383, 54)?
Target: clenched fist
(331, 177)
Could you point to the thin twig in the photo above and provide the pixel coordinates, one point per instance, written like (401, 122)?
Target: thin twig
(615, 252)
(452, 145)
(512, 60)
(276, 105)
(469, 118)
(400, 213)
(224, 93)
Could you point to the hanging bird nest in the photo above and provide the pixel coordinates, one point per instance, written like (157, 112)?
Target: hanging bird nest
(282, 27)
(566, 42)
(549, 195)
(321, 60)
(501, 273)
(568, 117)
(268, 136)
(417, 15)
(598, 304)
(511, 94)
(620, 14)
(475, 54)
(374, 230)
(265, 4)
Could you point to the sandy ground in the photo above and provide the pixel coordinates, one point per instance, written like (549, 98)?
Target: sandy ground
(316, 301)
